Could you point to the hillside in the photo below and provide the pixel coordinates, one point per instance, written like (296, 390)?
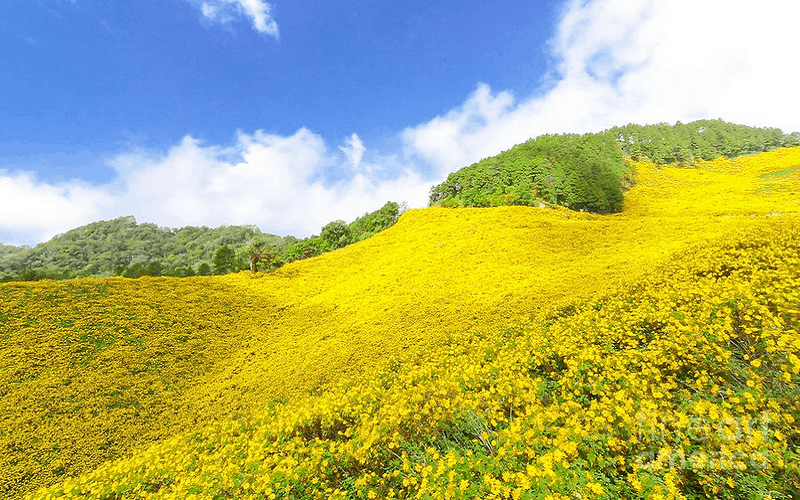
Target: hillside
(123, 247)
(389, 365)
(588, 172)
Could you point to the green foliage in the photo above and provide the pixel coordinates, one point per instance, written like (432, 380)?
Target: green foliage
(134, 270)
(587, 172)
(307, 248)
(336, 234)
(255, 252)
(225, 261)
(263, 257)
(374, 222)
(153, 268)
(679, 144)
(123, 247)
(582, 172)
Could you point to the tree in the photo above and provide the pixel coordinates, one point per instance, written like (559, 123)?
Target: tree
(135, 270)
(336, 234)
(263, 257)
(153, 268)
(270, 259)
(374, 222)
(224, 260)
(305, 249)
(256, 253)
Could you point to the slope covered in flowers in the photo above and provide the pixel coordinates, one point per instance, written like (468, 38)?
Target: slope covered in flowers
(685, 384)
(361, 370)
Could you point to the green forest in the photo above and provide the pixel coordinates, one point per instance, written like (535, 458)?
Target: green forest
(123, 247)
(680, 144)
(588, 172)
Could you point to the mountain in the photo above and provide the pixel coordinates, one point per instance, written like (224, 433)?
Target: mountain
(513, 351)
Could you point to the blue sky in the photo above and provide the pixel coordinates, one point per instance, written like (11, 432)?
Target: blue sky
(289, 114)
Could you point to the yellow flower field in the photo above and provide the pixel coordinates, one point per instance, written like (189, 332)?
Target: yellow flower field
(513, 352)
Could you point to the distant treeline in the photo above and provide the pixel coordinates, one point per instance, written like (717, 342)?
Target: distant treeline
(588, 172)
(123, 247)
(680, 144)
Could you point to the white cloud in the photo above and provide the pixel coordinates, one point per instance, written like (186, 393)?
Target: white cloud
(463, 134)
(196, 184)
(33, 211)
(270, 185)
(353, 149)
(618, 62)
(262, 179)
(224, 11)
(623, 61)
